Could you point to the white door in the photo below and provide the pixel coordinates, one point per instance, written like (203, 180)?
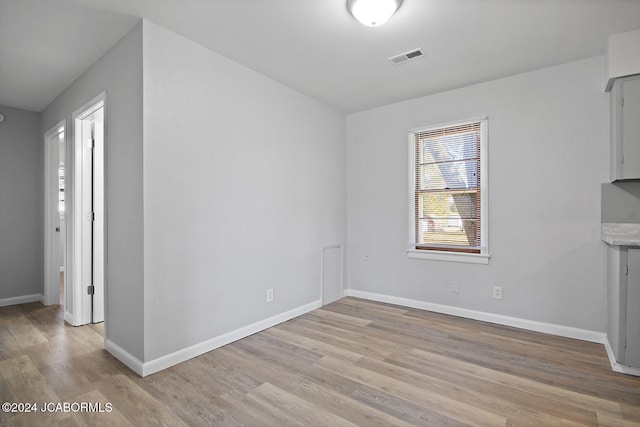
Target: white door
(54, 230)
(89, 213)
(98, 223)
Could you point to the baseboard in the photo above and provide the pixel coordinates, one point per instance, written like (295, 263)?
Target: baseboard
(125, 357)
(179, 356)
(21, 300)
(617, 367)
(531, 325)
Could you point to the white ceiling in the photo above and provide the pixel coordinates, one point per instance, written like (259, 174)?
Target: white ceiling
(313, 46)
(46, 44)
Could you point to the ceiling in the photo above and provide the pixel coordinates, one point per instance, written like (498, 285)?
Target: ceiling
(46, 44)
(313, 46)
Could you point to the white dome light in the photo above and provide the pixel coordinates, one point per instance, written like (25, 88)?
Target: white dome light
(373, 13)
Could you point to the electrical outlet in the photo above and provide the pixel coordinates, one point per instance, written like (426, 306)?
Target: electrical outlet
(270, 295)
(497, 292)
(455, 286)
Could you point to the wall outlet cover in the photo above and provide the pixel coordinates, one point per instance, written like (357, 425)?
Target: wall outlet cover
(455, 287)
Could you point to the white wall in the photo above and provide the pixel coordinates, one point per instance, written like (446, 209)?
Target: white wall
(119, 73)
(548, 154)
(623, 56)
(21, 206)
(244, 181)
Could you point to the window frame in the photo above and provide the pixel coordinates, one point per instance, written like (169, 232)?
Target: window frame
(418, 251)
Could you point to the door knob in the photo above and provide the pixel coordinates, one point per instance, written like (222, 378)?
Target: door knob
(57, 229)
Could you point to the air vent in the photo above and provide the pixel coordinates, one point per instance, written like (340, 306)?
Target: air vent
(406, 56)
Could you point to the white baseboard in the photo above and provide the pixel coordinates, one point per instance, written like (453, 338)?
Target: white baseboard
(125, 357)
(531, 325)
(617, 367)
(21, 300)
(179, 356)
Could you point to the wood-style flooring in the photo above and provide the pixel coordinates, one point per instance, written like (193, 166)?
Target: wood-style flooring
(352, 362)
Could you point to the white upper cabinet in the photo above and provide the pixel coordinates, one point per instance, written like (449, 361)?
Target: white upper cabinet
(625, 129)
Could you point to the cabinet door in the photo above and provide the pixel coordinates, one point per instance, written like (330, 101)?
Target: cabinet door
(631, 128)
(616, 300)
(632, 350)
(616, 130)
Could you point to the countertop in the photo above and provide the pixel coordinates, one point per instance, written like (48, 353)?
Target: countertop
(621, 234)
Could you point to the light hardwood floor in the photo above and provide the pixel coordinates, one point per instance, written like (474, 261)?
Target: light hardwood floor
(352, 362)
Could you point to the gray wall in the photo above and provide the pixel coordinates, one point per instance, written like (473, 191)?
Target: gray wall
(548, 155)
(21, 204)
(621, 202)
(244, 182)
(119, 73)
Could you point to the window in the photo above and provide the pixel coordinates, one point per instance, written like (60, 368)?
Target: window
(448, 192)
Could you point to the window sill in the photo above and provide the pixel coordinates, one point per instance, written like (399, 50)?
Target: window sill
(449, 256)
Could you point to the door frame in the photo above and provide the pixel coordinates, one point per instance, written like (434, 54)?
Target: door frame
(82, 301)
(51, 244)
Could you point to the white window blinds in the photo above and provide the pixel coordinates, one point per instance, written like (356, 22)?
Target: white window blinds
(448, 189)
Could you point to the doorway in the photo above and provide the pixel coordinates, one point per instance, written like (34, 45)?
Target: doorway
(55, 220)
(88, 213)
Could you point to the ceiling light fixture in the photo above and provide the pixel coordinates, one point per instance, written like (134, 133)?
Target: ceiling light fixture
(373, 13)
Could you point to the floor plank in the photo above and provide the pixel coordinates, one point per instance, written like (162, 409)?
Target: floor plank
(352, 362)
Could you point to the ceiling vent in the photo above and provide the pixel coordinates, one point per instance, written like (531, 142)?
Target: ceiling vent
(406, 56)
